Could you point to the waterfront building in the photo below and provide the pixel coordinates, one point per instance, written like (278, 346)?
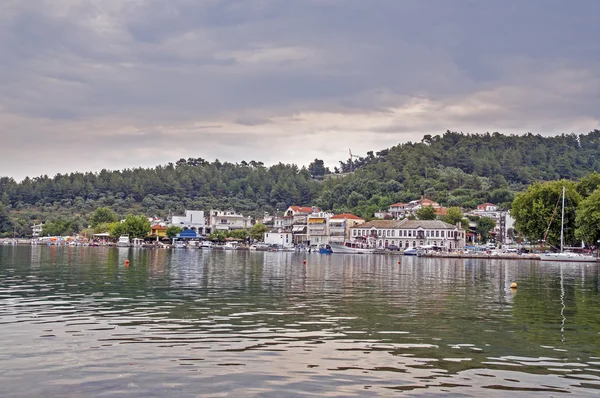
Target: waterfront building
(278, 238)
(193, 220)
(228, 221)
(318, 227)
(339, 226)
(298, 216)
(503, 220)
(410, 233)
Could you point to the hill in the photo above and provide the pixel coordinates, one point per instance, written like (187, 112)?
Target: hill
(454, 169)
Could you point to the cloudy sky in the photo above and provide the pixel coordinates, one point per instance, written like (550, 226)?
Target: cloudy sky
(92, 84)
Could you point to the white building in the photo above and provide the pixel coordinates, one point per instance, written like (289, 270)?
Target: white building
(228, 221)
(410, 233)
(503, 220)
(339, 226)
(299, 221)
(318, 228)
(398, 211)
(278, 238)
(36, 229)
(193, 219)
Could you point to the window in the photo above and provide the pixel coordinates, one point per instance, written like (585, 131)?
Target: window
(437, 234)
(410, 233)
(442, 234)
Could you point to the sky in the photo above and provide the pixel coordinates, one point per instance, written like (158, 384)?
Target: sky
(87, 85)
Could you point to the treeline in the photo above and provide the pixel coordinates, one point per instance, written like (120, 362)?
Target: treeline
(454, 169)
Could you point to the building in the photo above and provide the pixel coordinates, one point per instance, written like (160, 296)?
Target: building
(193, 220)
(318, 228)
(298, 216)
(410, 233)
(503, 220)
(398, 211)
(36, 230)
(228, 221)
(158, 231)
(278, 238)
(339, 226)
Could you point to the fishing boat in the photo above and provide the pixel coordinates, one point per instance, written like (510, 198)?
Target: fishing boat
(565, 255)
(351, 248)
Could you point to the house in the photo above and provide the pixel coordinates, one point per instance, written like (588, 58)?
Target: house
(37, 229)
(278, 238)
(399, 211)
(318, 227)
(504, 221)
(298, 216)
(340, 224)
(487, 207)
(193, 220)
(158, 231)
(228, 221)
(410, 233)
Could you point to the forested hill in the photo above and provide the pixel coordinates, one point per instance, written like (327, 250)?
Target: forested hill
(454, 169)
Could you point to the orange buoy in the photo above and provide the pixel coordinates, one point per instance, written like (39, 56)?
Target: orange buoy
(126, 262)
(304, 262)
(398, 262)
(513, 285)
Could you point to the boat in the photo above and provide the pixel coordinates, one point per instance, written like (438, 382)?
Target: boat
(179, 244)
(325, 249)
(351, 248)
(411, 251)
(230, 246)
(124, 241)
(566, 256)
(206, 245)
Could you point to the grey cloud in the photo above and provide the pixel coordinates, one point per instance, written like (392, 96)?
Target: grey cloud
(148, 65)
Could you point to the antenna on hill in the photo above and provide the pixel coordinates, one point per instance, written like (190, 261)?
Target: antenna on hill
(351, 156)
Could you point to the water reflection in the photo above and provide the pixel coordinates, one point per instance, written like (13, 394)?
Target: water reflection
(78, 321)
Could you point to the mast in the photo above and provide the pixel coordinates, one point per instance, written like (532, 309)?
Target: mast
(562, 221)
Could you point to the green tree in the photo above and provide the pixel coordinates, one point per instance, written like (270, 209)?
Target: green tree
(103, 215)
(5, 221)
(134, 226)
(257, 231)
(453, 215)
(539, 207)
(484, 226)
(173, 230)
(426, 213)
(588, 219)
(317, 168)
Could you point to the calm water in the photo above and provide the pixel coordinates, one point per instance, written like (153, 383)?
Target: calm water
(78, 322)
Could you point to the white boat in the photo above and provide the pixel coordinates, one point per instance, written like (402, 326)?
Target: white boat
(230, 246)
(179, 244)
(564, 256)
(351, 248)
(206, 244)
(124, 241)
(410, 251)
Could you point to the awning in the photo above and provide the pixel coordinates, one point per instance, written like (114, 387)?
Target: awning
(299, 228)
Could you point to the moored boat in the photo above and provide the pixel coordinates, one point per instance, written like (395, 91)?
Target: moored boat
(351, 248)
(124, 241)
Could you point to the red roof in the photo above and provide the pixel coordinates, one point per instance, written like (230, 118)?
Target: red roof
(158, 227)
(347, 216)
(398, 205)
(441, 211)
(301, 209)
(428, 202)
(484, 205)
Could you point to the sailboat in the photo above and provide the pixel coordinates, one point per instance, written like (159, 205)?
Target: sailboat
(563, 255)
